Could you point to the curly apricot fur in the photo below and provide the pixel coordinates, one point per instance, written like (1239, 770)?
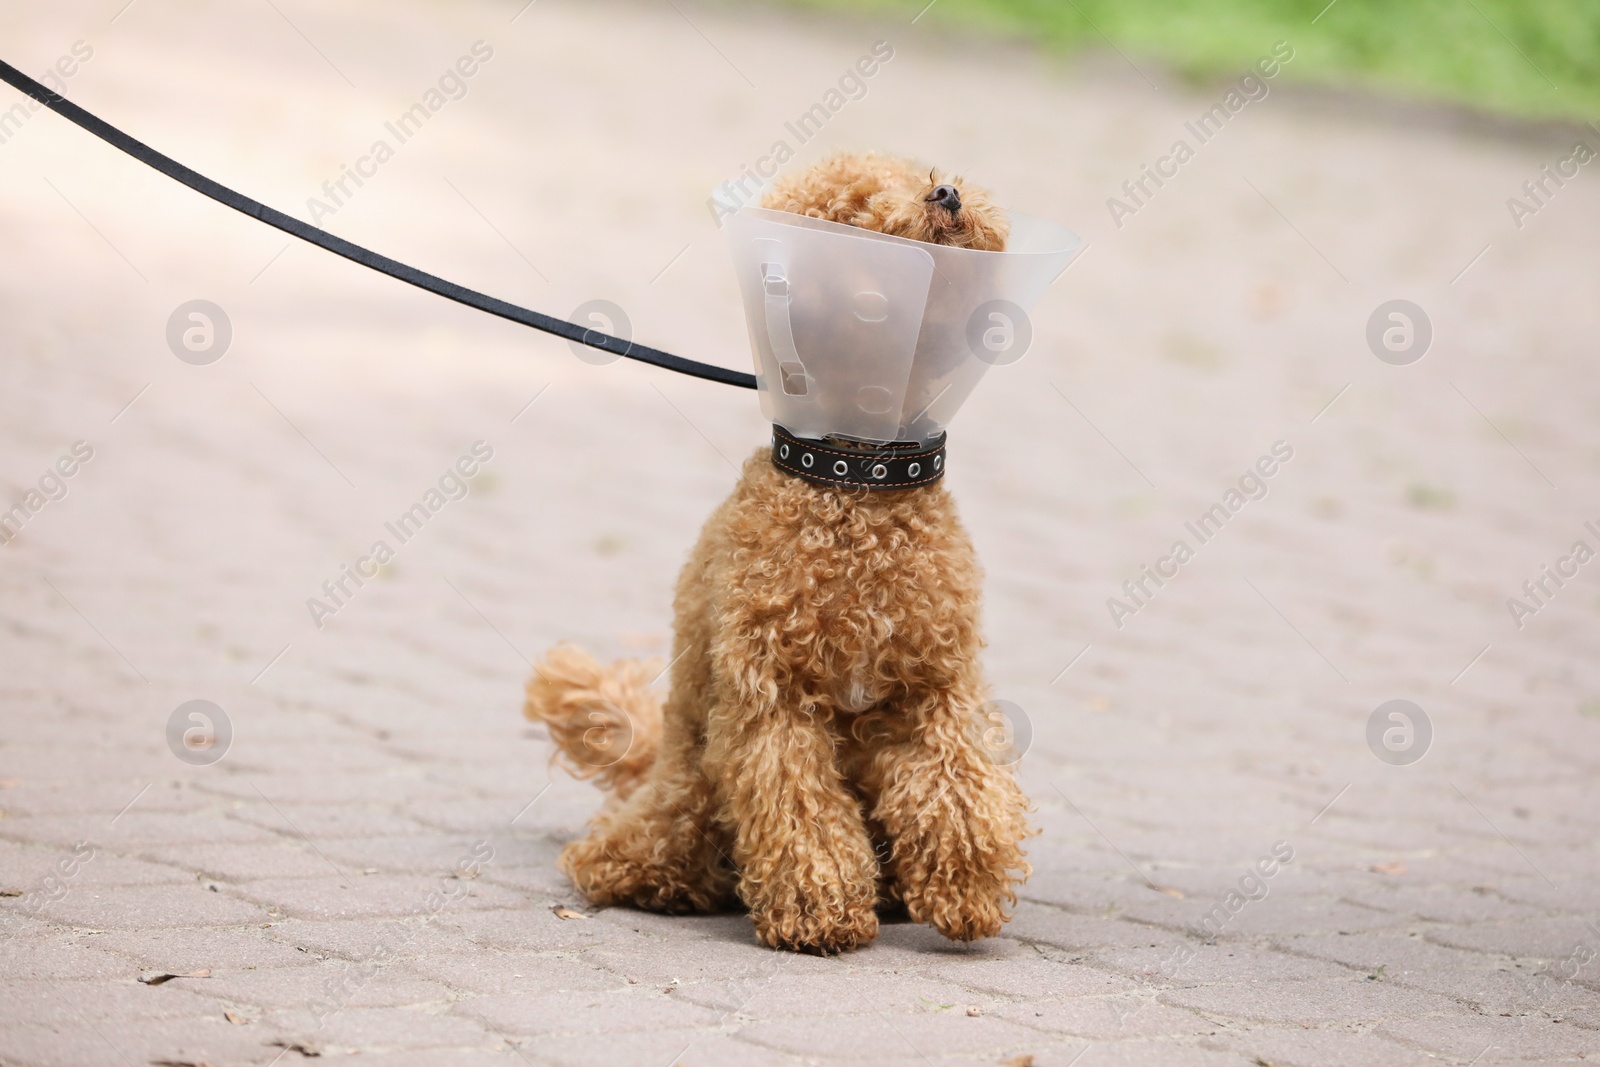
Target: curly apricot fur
(890, 195)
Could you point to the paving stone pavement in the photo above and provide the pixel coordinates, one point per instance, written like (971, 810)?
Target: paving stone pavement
(369, 869)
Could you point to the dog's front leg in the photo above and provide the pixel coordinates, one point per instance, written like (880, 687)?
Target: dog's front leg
(807, 870)
(955, 816)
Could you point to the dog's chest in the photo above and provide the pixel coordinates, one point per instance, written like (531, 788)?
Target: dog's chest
(854, 607)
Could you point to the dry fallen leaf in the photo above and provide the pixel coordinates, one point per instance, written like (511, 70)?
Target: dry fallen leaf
(305, 1048)
(1388, 868)
(159, 977)
(563, 912)
(235, 1018)
(1169, 891)
(1024, 1060)
(9, 892)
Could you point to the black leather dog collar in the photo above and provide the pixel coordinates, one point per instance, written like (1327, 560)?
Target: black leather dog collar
(901, 465)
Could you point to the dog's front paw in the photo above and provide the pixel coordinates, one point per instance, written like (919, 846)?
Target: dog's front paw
(957, 830)
(960, 913)
(962, 899)
(819, 931)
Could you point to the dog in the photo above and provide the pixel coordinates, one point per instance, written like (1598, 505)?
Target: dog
(823, 752)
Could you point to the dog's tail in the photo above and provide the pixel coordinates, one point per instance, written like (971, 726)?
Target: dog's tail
(605, 722)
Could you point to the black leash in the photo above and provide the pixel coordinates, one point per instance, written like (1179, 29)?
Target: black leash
(355, 253)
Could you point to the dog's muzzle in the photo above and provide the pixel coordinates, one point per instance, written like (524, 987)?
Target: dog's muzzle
(901, 465)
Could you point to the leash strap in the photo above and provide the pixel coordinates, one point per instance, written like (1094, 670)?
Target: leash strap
(355, 253)
(902, 465)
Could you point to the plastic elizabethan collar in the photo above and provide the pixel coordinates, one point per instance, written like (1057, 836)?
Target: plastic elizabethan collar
(877, 338)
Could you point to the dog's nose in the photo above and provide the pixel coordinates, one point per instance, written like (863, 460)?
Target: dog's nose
(946, 197)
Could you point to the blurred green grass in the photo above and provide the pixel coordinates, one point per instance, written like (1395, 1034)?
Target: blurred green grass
(1527, 58)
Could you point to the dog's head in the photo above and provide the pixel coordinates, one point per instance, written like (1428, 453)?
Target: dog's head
(897, 197)
(940, 212)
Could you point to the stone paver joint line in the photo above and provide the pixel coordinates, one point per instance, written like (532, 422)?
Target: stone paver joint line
(336, 868)
(515, 1046)
(96, 629)
(1142, 876)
